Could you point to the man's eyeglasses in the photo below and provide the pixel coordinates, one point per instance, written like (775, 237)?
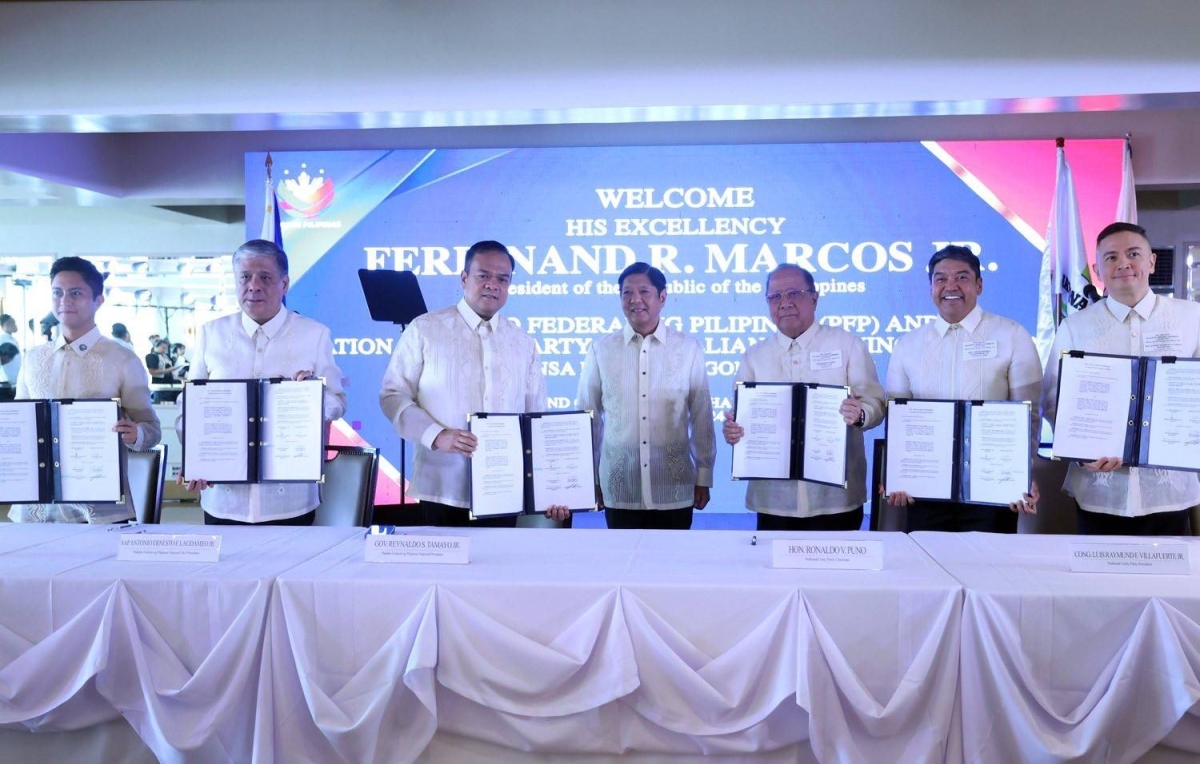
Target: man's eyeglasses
(792, 295)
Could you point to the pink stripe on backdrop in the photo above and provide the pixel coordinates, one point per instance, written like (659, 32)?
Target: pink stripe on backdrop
(1021, 174)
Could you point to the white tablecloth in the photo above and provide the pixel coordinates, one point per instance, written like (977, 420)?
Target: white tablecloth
(174, 648)
(1062, 666)
(609, 641)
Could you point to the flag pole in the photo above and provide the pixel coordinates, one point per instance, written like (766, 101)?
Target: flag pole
(269, 163)
(1055, 290)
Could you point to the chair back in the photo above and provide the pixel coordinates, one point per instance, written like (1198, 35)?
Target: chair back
(884, 516)
(146, 471)
(348, 495)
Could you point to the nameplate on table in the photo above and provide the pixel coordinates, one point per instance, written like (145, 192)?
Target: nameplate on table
(444, 550)
(832, 554)
(165, 547)
(1164, 558)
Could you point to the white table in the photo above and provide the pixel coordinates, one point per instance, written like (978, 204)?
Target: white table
(174, 648)
(610, 641)
(1070, 666)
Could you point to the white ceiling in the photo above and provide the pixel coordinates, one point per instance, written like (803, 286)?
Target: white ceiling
(155, 102)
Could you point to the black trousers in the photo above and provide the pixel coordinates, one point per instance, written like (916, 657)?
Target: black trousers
(304, 519)
(649, 519)
(959, 518)
(842, 521)
(1158, 524)
(446, 516)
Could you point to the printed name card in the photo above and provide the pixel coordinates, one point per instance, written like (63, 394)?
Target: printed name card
(827, 554)
(163, 547)
(445, 550)
(1165, 558)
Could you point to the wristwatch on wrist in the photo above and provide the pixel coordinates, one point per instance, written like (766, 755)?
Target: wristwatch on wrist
(862, 418)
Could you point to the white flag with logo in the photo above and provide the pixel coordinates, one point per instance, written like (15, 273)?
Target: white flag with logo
(1065, 273)
(271, 230)
(1127, 203)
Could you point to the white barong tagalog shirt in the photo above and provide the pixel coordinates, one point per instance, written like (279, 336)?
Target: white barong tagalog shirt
(448, 364)
(235, 347)
(1157, 326)
(654, 440)
(92, 366)
(828, 356)
(986, 358)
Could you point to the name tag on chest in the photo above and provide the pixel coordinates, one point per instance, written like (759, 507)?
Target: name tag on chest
(981, 350)
(1163, 342)
(831, 359)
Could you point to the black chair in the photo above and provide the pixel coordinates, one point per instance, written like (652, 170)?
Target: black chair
(884, 516)
(348, 495)
(146, 471)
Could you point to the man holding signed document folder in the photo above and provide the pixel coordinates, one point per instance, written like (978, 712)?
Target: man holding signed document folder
(966, 354)
(1131, 321)
(806, 351)
(265, 341)
(83, 364)
(451, 364)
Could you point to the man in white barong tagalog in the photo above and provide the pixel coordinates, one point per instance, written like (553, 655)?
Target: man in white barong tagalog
(966, 353)
(648, 387)
(262, 341)
(454, 362)
(804, 350)
(80, 362)
(1110, 498)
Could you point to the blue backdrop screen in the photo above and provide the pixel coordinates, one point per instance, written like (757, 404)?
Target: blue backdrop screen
(864, 218)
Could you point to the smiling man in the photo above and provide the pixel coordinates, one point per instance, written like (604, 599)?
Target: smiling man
(264, 340)
(966, 353)
(1111, 499)
(804, 350)
(83, 363)
(453, 362)
(649, 388)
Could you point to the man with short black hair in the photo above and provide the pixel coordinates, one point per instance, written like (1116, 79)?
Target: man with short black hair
(10, 369)
(804, 350)
(158, 363)
(8, 351)
(121, 335)
(47, 326)
(264, 340)
(1111, 499)
(83, 363)
(454, 362)
(648, 385)
(966, 353)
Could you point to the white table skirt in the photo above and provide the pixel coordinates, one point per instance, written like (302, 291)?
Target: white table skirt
(1062, 666)
(174, 648)
(610, 641)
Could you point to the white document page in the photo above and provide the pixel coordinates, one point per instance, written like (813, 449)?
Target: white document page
(1093, 407)
(765, 414)
(497, 467)
(89, 452)
(563, 472)
(999, 455)
(920, 449)
(293, 430)
(825, 434)
(18, 452)
(1174, 438)
(216, 432)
